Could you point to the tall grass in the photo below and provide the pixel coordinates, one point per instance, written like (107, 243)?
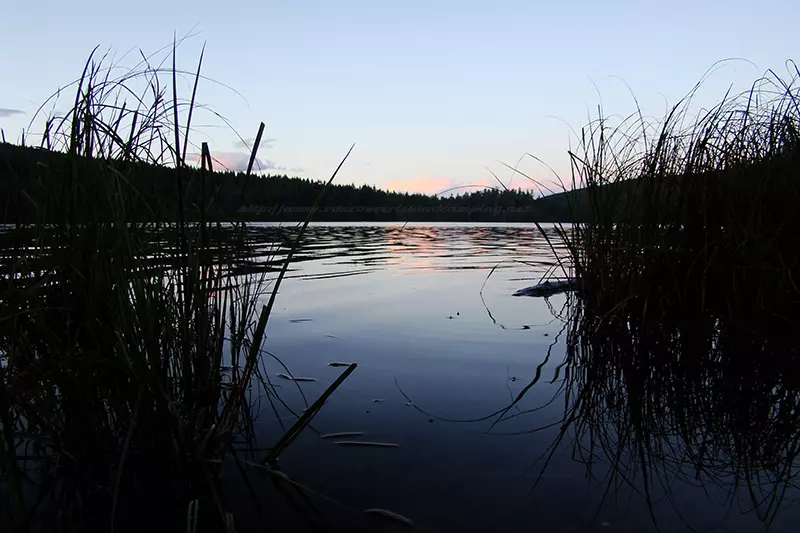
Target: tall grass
(129, 347)
(683, 357)
(698, 216)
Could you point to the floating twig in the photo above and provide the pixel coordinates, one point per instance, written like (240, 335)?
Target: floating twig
(343, 434)
(294, 378)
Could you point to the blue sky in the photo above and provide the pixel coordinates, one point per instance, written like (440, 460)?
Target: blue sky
(431, 92)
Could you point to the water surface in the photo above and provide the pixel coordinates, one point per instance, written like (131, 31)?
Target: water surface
(427, 313)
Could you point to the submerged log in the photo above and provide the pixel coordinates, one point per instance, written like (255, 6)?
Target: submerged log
(548, 288)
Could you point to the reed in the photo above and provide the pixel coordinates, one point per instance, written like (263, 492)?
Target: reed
(130, 346)
(682, 348)
(694, 219)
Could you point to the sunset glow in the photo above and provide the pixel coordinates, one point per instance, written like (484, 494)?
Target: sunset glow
(433, 185)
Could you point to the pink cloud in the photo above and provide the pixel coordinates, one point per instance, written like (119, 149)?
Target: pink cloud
(238, 161)
(431, 185)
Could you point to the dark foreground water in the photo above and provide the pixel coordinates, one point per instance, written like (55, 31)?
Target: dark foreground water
(437, 355)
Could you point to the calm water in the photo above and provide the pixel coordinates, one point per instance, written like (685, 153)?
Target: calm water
(440, 342)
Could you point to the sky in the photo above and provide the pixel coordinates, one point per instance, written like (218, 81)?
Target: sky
(435, 94)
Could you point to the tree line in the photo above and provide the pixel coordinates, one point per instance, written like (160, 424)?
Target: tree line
(29, 175)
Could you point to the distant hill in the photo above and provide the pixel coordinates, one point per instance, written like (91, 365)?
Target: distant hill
(28, 176)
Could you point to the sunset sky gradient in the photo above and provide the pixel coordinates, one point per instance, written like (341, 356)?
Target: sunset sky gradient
(434, 93)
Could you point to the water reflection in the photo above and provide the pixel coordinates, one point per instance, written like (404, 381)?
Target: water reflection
(668, 403)
(490, 396)
(611, 427)
(679, 421)
(402, 248)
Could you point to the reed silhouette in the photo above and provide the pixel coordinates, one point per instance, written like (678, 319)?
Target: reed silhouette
(130, 344)
(683, 335)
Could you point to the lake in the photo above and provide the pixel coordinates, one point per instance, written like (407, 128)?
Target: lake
(442, 348)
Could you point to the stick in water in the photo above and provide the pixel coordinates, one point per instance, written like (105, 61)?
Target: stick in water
(343, 434)
(295, 378)
(366, 443)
